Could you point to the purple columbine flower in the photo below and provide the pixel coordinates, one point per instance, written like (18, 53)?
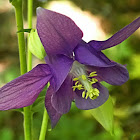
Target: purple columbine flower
(73, 67)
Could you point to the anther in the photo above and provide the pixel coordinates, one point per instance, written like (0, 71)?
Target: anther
(84, 83)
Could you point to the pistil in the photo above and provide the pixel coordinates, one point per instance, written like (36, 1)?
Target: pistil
(85, 82)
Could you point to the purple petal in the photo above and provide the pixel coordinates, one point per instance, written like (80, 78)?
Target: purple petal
(57, 32)
(53, 114)
(86, 104)
(116, 75)
(61, 100)
(60, 66)
(24, 90)
(118, 37)
(89, 56)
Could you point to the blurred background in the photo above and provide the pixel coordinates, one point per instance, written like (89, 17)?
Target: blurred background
(98, 20)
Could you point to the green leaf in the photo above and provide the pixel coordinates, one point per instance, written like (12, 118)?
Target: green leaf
(38, 105)
(104, 115)
(35, 45)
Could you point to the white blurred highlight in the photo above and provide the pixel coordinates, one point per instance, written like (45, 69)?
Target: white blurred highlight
(88, 23)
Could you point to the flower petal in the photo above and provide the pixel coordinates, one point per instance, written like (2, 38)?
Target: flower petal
(61, 100)
(53, 114)
(118, 37)
(115, 75)
(24, 90)
(86, 104)
(89, 56)
(57, 32)
(60, 66)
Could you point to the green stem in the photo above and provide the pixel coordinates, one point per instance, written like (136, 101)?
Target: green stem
(27, 110)
(27, 123)
(44, 125)
(23, 65)
(21, 40)
(30, 14)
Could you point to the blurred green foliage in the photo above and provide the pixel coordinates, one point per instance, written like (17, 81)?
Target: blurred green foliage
(77, 124)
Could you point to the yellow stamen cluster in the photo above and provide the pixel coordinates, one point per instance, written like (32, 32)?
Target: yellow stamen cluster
(85, 83)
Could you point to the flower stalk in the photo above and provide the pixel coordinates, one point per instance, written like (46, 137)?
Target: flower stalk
(30, 14)
(23, 64)
(21, 40)
(27, 110)
(44, 125)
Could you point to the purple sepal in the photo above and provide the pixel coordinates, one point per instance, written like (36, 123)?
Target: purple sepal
(60, 66)
(115, 75)
(58, 33)
(61, 100)
(87, 55)
(53, 114)
(86, 104)
(24, 90)
(118, 37)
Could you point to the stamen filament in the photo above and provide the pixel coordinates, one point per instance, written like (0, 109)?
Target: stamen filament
(84, 82)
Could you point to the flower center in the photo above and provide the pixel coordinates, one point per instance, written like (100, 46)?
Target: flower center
(84, 82)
